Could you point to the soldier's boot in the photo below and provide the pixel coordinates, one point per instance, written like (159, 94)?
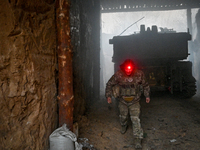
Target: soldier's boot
(123, 129)
(138, 143)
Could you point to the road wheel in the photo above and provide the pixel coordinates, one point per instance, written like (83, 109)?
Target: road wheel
(189, 89)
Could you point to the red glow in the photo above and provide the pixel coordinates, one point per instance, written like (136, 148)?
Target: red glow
(128, 67)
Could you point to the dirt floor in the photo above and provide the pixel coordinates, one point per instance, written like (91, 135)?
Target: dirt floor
(169, 123)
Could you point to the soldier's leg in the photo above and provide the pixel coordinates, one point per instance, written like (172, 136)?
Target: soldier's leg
(137, 130)
(123, 111)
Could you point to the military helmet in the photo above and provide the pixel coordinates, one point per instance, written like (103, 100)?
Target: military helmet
(128, 66)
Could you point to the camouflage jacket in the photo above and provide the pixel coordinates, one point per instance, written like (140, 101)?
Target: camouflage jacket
(135, 81)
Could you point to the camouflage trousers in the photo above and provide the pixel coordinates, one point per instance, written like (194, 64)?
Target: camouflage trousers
(134, 112)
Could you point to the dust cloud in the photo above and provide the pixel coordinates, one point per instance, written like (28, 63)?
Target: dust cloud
(115, 23)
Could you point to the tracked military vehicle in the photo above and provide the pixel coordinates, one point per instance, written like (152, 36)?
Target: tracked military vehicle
(162, 57)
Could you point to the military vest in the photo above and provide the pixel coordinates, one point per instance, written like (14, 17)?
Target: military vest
(127, 87)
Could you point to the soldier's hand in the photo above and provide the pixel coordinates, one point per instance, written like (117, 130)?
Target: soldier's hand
(147, 100)
(109, 100)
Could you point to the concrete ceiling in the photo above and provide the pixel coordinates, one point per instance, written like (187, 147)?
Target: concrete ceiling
(146, 5)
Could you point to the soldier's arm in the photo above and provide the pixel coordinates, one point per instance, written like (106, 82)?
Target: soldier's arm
(111, 82)
(146, 87)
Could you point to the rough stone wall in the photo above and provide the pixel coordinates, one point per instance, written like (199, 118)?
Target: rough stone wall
(85, 31)
(28, 105)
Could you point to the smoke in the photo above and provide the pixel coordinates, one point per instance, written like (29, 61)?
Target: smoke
(107, 66)
(115, 23)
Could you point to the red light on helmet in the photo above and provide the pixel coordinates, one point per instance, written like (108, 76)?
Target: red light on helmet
(129, 67)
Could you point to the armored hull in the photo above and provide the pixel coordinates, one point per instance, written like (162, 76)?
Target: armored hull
(161, 55)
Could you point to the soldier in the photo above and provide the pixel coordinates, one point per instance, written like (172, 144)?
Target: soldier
(127, 85)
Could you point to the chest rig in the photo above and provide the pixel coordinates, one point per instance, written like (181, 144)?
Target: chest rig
(127, 88)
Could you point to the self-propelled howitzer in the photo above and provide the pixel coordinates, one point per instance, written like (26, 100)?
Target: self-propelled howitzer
(162, 57)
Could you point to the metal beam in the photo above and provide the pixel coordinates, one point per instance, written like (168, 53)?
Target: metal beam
(189, 19)
(146, 5)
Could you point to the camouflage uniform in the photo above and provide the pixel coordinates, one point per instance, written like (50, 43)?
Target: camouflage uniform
(128, 89)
